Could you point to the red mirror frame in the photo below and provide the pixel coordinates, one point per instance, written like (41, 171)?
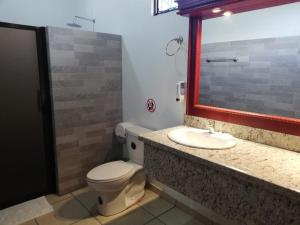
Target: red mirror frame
(268, 122)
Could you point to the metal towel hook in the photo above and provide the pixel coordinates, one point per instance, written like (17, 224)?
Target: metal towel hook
(179, 41)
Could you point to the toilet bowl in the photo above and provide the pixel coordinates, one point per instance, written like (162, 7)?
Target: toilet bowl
(120, 184)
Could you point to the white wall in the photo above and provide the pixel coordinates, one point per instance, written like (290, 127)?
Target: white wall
(147, 71)
(278, 21)
(40, 12)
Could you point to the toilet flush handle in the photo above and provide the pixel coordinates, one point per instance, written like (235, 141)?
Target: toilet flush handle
(100, 201)
(133, 145)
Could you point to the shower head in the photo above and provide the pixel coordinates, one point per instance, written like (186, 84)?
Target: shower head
(74, 24)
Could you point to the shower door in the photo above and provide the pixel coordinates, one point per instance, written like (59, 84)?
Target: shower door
(24, 141)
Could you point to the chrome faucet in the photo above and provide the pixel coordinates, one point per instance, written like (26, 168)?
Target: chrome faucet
(211, 129)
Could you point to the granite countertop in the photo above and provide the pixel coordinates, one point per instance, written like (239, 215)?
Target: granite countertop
(277, 169)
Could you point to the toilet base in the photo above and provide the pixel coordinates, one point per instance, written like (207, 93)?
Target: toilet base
(111, 203)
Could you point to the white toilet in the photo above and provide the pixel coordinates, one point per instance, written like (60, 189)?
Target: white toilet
(121, 184)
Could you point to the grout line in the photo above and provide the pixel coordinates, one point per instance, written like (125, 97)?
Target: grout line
(81, 203)
(142, 208)
(99, 221)
(89, 212)
(160, 221)
(57, 201)
(72, 196)
(36, 222)
(139, 207)
(167, 211)
(153, 220)
(75, 222)
(180, 205)
(160, 197)
(84, 219)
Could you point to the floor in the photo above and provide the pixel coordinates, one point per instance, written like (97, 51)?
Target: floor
(25, 211)
(79, 208)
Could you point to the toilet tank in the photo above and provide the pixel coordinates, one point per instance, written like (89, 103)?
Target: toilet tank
(134, 147)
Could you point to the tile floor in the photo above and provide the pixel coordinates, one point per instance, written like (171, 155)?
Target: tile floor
(79, 208)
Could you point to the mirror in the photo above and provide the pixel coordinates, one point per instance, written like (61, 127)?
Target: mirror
(251, 62)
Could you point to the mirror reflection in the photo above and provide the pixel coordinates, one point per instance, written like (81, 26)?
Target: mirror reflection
(251, 62)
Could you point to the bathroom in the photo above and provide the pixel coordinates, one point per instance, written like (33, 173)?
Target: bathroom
(150, 112)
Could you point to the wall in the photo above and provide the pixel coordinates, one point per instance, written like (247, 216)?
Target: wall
(147, 71)
(41, 12)
(86, 77)
(278, 21)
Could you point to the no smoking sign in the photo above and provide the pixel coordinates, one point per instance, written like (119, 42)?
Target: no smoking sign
(151, 105)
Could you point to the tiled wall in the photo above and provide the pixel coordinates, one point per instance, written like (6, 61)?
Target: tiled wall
(266, 78)
(86, 73)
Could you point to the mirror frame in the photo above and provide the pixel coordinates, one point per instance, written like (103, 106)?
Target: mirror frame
(263, 121)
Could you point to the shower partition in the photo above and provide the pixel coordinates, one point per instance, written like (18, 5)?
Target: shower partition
(26, 161)
(86, 77)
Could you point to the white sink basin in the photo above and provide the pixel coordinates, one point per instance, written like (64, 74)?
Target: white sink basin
(198, 138)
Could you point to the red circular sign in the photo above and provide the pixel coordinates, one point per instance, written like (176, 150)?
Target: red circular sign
(151, 105)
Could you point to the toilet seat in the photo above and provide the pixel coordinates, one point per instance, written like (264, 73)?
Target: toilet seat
(112, 176)
(110, 172)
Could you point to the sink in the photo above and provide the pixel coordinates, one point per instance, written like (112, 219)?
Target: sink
(198, 138)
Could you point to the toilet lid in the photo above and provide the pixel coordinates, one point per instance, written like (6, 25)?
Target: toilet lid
(110, 171)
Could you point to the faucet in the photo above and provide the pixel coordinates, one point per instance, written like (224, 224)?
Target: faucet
(211, 129)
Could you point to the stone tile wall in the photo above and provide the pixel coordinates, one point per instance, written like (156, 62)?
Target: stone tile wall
(86, 74)
(265, 79)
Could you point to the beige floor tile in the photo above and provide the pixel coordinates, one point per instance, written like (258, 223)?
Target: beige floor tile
(148, 197)
(65, 212)
(82, 190)
(107, 219)
(136, 217)
(88, 221)
(155, 222)
(162, 194)
(158, 206)
(88, 198)
(30, 222)
(53, 198)
(177, 217)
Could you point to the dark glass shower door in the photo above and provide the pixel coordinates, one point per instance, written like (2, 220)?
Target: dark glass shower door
(23, 166)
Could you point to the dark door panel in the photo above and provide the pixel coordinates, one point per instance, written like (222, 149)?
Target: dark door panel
(23, 166)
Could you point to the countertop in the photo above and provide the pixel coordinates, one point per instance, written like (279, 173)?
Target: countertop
(275, 168)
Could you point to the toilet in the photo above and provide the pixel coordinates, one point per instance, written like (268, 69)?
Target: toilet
(120, 184)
